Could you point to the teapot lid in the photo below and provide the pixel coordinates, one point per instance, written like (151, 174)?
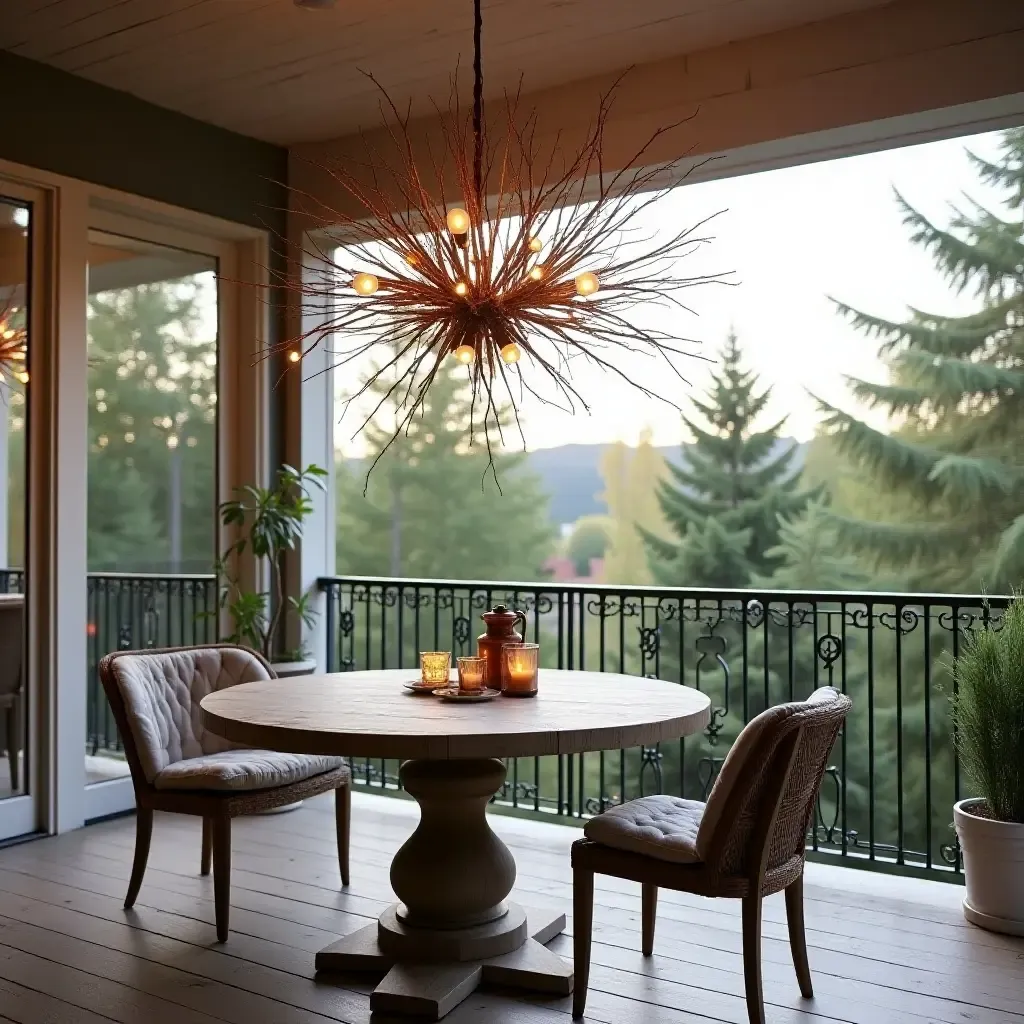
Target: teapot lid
(499, 611)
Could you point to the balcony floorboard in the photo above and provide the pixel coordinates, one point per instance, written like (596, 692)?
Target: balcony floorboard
(882, 949)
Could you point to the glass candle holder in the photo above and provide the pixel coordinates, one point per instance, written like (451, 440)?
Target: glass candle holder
(436, 667)
(519, 669)
(471, 673)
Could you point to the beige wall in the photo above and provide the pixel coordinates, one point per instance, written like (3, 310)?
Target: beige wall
(897, 61)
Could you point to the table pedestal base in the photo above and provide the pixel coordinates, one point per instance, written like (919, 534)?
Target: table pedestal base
(454, 927)
(430, 988)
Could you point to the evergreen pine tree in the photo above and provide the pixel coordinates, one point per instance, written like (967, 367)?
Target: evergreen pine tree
(723, 504)
(807, 555)
(952, 469)
(432, 508)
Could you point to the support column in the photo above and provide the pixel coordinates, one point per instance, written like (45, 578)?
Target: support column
(56, 560)
(308, 412)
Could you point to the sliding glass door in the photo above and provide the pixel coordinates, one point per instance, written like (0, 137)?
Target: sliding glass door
(19, 760)
(153, 327)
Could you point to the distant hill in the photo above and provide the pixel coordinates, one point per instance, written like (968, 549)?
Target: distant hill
(572, 476)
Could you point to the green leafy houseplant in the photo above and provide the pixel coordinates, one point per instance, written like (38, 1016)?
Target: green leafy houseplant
(988, 712)
(268, 522)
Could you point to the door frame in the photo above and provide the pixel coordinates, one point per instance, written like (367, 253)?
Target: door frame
(56, 555)
(242, 388)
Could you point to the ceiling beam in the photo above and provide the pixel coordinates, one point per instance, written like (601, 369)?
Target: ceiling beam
(905, 59)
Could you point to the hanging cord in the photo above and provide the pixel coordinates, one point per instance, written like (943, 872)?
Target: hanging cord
(478, 104)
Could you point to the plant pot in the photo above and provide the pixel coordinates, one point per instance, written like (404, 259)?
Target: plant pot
(287, 669)
(994, 868)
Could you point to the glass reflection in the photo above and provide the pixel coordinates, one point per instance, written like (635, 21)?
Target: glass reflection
(15, 266)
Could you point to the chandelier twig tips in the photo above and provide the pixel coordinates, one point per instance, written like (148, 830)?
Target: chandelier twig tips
(538, 262)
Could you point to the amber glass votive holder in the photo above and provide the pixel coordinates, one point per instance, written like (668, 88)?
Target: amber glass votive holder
(436, 667)
(471, 673)
(519, 664)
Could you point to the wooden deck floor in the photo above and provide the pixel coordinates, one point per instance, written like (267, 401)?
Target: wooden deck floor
(882, 949)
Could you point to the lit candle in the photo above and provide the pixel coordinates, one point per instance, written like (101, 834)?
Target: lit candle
(471, 673)
(435, 667)
(519, 664)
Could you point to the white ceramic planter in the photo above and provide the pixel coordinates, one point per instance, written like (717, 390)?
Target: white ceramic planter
(994, 867)
(287, 669)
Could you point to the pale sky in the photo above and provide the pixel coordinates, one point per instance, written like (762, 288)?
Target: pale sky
(792, 237)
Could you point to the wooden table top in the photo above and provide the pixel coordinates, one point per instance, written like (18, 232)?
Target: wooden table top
(370, 714)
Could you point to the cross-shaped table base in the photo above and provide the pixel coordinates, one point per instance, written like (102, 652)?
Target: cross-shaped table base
(428, 988)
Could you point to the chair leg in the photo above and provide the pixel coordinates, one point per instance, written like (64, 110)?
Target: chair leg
(343, 823)
(752, 958)
(650, 915)
(582, 925)
(207, 856)
(797, 938)
(143, 835)
(222, 874)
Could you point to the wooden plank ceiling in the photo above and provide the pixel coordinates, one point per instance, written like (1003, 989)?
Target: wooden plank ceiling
(268, 69)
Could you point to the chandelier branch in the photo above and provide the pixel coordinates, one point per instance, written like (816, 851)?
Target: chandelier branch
(542, 263)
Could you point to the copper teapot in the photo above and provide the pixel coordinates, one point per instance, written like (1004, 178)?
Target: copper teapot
(500, 622)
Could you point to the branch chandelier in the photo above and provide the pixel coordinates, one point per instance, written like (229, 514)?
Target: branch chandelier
(514, 286)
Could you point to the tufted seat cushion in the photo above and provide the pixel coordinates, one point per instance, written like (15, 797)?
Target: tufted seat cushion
(663, 827)
(243, 770)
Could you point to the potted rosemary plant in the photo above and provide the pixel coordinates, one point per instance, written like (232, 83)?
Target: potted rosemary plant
(988, 713)
(267, 523)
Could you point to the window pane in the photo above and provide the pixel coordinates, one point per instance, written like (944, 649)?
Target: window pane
(152, 408)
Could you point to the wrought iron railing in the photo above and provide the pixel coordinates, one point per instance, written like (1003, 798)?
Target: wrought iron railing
(128, 611)
(12, 581)
(894, 776)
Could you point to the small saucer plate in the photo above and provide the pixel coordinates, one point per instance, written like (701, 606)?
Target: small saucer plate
(420, 687)
(453, 693)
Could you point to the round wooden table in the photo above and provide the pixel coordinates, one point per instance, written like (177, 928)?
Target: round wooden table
(453, 926)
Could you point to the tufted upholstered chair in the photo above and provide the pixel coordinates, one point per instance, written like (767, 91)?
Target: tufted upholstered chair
(179, 766)
(746, 842)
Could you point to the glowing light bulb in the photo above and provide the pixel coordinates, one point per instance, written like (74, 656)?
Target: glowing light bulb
(294, 357)
(465, 354)
(511, 353)
(536, 273)
(23, 377)
(458, 221)
(8, 334)
(587, 283)
(462, 289)
(365, 284)
(535, 244)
